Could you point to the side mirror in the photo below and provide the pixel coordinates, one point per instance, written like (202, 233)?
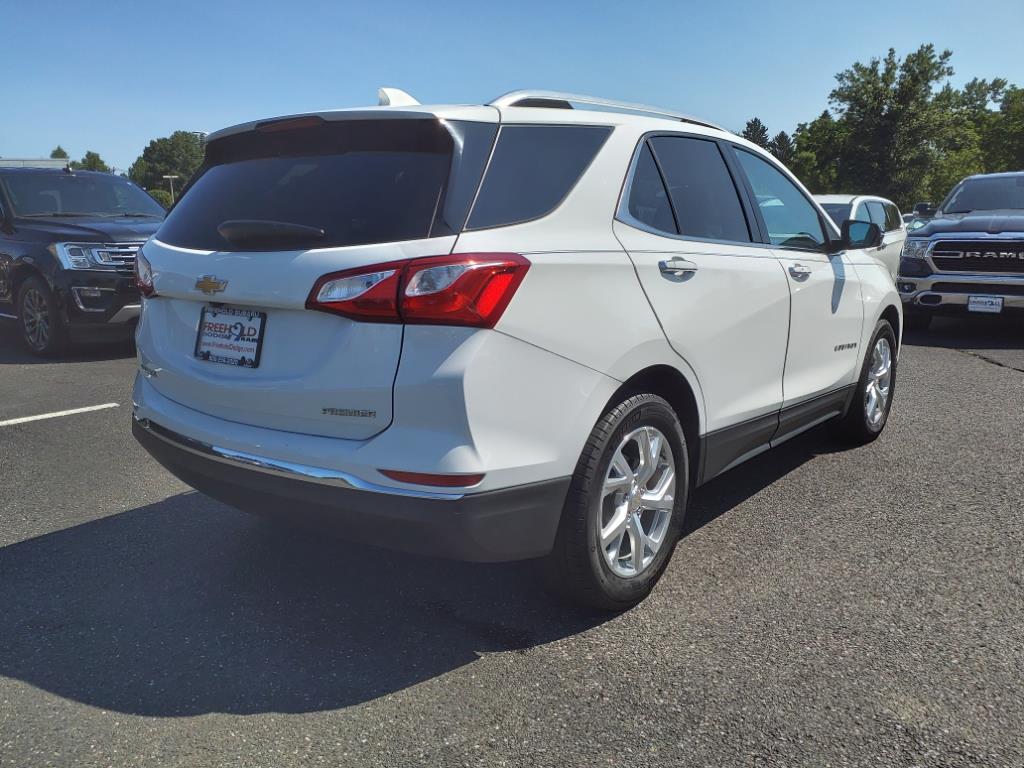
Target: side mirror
(861, 234)
(925, 210)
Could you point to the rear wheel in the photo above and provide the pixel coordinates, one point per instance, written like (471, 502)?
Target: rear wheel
(624, 511)
(869, 411)
(42, 330)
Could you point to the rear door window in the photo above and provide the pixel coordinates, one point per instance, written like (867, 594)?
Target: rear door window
(359, 181)
(703, 194)
(532, 170)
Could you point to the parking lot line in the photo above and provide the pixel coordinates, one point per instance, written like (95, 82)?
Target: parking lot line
(56, 414)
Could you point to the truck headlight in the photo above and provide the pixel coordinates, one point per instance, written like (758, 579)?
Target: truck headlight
(915, 248)
(83, 256)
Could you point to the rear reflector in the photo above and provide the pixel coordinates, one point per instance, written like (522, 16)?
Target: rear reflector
(468, 289)
(441, 481)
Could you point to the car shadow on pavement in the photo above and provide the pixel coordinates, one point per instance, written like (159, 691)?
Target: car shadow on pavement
(13, 352)
(975, 332)
(186, 607)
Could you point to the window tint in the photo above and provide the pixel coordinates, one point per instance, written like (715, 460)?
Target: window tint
(877, 214)
(839, 212)
(893, 220)
(791, 220)
(648, 201)
(360, 181)
(702, 191)
(532, 169)
(861, 214)
(39, 194)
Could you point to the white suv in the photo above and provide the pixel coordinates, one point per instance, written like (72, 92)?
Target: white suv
(882, 212)
(497, 332)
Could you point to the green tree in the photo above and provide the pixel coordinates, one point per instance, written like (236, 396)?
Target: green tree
(59, 153)
(1007, 133)
(782, 147)
(90, 162)
(162, 196)
(179, 154)
(757, 132)
(819, 151)
(894, 125)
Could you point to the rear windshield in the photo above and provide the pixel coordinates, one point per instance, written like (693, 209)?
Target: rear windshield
(838, 212)
(357, 181)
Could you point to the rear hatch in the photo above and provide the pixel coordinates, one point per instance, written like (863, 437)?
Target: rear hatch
(274, 208)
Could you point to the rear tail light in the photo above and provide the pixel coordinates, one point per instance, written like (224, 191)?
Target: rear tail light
(144, 274)
(469, 289)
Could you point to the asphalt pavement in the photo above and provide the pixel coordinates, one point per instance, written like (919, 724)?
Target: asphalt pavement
(827, 607)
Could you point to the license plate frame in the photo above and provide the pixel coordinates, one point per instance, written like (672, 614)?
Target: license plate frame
(992, 305)
(240, 340)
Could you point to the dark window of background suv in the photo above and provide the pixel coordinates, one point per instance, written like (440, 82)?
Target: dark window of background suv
(877, 213)
(531, 171)
(893, 220)
(648, 200)
(791, 219)
(360, 181)
(704, 196)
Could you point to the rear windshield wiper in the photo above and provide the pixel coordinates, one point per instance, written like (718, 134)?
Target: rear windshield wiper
(247, 233)
(133, 215)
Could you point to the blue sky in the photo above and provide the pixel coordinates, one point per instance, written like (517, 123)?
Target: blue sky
(112, 75)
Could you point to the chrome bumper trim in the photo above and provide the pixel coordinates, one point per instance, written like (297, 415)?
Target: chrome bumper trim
(278, 468)
(988, 285)
(127, 313)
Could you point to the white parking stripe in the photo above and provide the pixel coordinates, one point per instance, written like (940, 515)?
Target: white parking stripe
(9, 317)
(54, 415)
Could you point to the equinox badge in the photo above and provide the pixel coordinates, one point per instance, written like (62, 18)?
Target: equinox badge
(210, 285)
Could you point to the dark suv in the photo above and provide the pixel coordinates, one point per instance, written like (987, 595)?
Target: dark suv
(67, 253)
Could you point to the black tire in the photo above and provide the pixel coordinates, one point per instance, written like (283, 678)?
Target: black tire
(856, 426)
(917, 321)
(36, 305)
(577, 566)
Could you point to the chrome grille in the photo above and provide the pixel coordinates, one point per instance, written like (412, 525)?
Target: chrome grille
(991, 256)
(121, 256)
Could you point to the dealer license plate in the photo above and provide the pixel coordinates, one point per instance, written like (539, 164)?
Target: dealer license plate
(231, 336)
(992, 304)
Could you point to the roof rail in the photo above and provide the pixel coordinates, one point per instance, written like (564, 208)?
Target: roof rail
(556, 99)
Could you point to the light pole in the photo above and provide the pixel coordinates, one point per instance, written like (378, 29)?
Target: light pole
(170, 180)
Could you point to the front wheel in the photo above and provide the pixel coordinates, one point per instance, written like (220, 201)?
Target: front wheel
(872, 400)
(42, 329)
(624, 511)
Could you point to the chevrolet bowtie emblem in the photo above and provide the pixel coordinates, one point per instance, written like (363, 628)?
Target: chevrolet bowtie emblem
(210, 285)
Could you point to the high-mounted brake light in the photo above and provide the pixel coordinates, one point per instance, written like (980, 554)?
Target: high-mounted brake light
(469, 289)
(144, 275)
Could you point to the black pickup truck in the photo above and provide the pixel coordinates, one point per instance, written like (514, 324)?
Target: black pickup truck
(970, 256)
(67, 254)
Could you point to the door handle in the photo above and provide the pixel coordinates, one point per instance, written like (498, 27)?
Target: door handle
(676, 266)
(800, 272)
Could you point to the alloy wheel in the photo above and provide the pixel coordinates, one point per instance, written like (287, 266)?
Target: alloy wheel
(35, 318)
(637, 501)
(876, 393)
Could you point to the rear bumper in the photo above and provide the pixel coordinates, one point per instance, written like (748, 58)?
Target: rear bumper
(509, 524)
(949, 292)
